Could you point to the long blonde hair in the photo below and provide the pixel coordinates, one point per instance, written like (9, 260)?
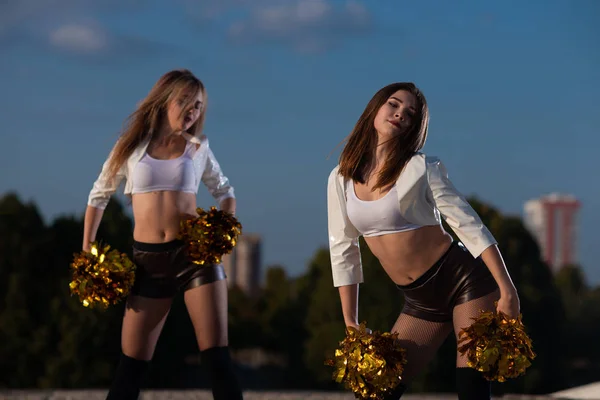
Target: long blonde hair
(152, 110)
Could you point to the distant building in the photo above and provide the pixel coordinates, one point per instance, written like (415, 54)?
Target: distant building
(242, 265)
(552, 221)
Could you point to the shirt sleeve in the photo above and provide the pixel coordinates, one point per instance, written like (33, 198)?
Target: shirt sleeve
(455, 209)
(103, 187)
(344, 248)
(215, 181)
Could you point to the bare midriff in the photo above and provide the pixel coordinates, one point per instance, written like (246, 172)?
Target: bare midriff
(405, 256)
(157, 215)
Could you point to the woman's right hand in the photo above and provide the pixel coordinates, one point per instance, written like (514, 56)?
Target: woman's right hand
(91, 221)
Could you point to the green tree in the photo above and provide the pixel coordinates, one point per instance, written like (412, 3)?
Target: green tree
(582, 326)
(282, 316)
(50, 339)
(541, 304)
(81, 336)
(324, 320)
(22, 276)
(573, 289)
(245, 329)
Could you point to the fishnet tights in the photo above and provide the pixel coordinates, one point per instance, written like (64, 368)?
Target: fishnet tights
(463, 315)
(422, 338)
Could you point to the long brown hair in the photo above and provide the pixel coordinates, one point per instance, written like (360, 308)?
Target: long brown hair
(151, 111)
(358, 156)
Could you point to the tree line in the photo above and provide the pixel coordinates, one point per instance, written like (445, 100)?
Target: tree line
(50, 340)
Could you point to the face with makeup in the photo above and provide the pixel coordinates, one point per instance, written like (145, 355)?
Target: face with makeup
(397, 115)
(184, 110)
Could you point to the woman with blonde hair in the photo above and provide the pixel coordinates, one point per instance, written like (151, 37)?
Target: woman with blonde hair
(163, 156)
(392, 194)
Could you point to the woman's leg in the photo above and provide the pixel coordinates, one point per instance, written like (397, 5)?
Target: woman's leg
(143, 321)
(207, 306)
(470, 383)
(421, 339)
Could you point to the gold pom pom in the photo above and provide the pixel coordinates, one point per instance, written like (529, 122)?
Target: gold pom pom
(497, 346)
(101, 277)
(369, 364)
(209, 236)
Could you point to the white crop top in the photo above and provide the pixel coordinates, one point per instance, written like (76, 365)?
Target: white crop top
(376, 217)
(153, 175)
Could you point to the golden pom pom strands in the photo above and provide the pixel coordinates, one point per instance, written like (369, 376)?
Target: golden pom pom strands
(209, 236)
(497, 346)
(369, 364)
(101, 277)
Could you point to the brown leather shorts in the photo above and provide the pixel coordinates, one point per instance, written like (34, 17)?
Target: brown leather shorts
(163, 269)
(454, 279)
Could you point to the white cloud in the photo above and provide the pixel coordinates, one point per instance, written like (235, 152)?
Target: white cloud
(14, 13)
(79, 38)
(89, 41)
(303, 24)
(202, 10)
(311, 10)
(68, 27)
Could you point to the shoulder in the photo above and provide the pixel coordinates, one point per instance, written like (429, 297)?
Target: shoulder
(425, 160)
(139, 149)
(334, 176)
(414, 167)
(431, 160)
(334, 172)
(418, 167)
(201, 140)
(434, 167)
(422, 158)
(335, 179)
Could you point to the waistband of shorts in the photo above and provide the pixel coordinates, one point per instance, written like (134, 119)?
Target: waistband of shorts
(157, 247)
(431, 271)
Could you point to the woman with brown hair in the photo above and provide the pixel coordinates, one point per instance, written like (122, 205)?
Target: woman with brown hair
(163, 156)
(392, 194)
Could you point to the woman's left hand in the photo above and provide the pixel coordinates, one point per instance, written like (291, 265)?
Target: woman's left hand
(509, 303)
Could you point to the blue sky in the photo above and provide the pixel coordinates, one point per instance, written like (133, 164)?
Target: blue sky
(512, 88)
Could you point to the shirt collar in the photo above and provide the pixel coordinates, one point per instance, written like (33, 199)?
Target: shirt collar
(194, 139)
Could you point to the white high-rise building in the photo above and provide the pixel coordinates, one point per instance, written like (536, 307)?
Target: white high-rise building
(552, 221)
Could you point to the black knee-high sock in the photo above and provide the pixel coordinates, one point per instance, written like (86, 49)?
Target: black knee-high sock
(217, 363)
(471, 385)
(396, 393)
(128, 379)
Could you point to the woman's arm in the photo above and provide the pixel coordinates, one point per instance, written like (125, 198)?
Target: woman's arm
(217, 183)
(229, 205)
(349, 300)
(344, 251)
(476, 237)
(509, 299)
(91, 222)
(98, 199)
(456, 210)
